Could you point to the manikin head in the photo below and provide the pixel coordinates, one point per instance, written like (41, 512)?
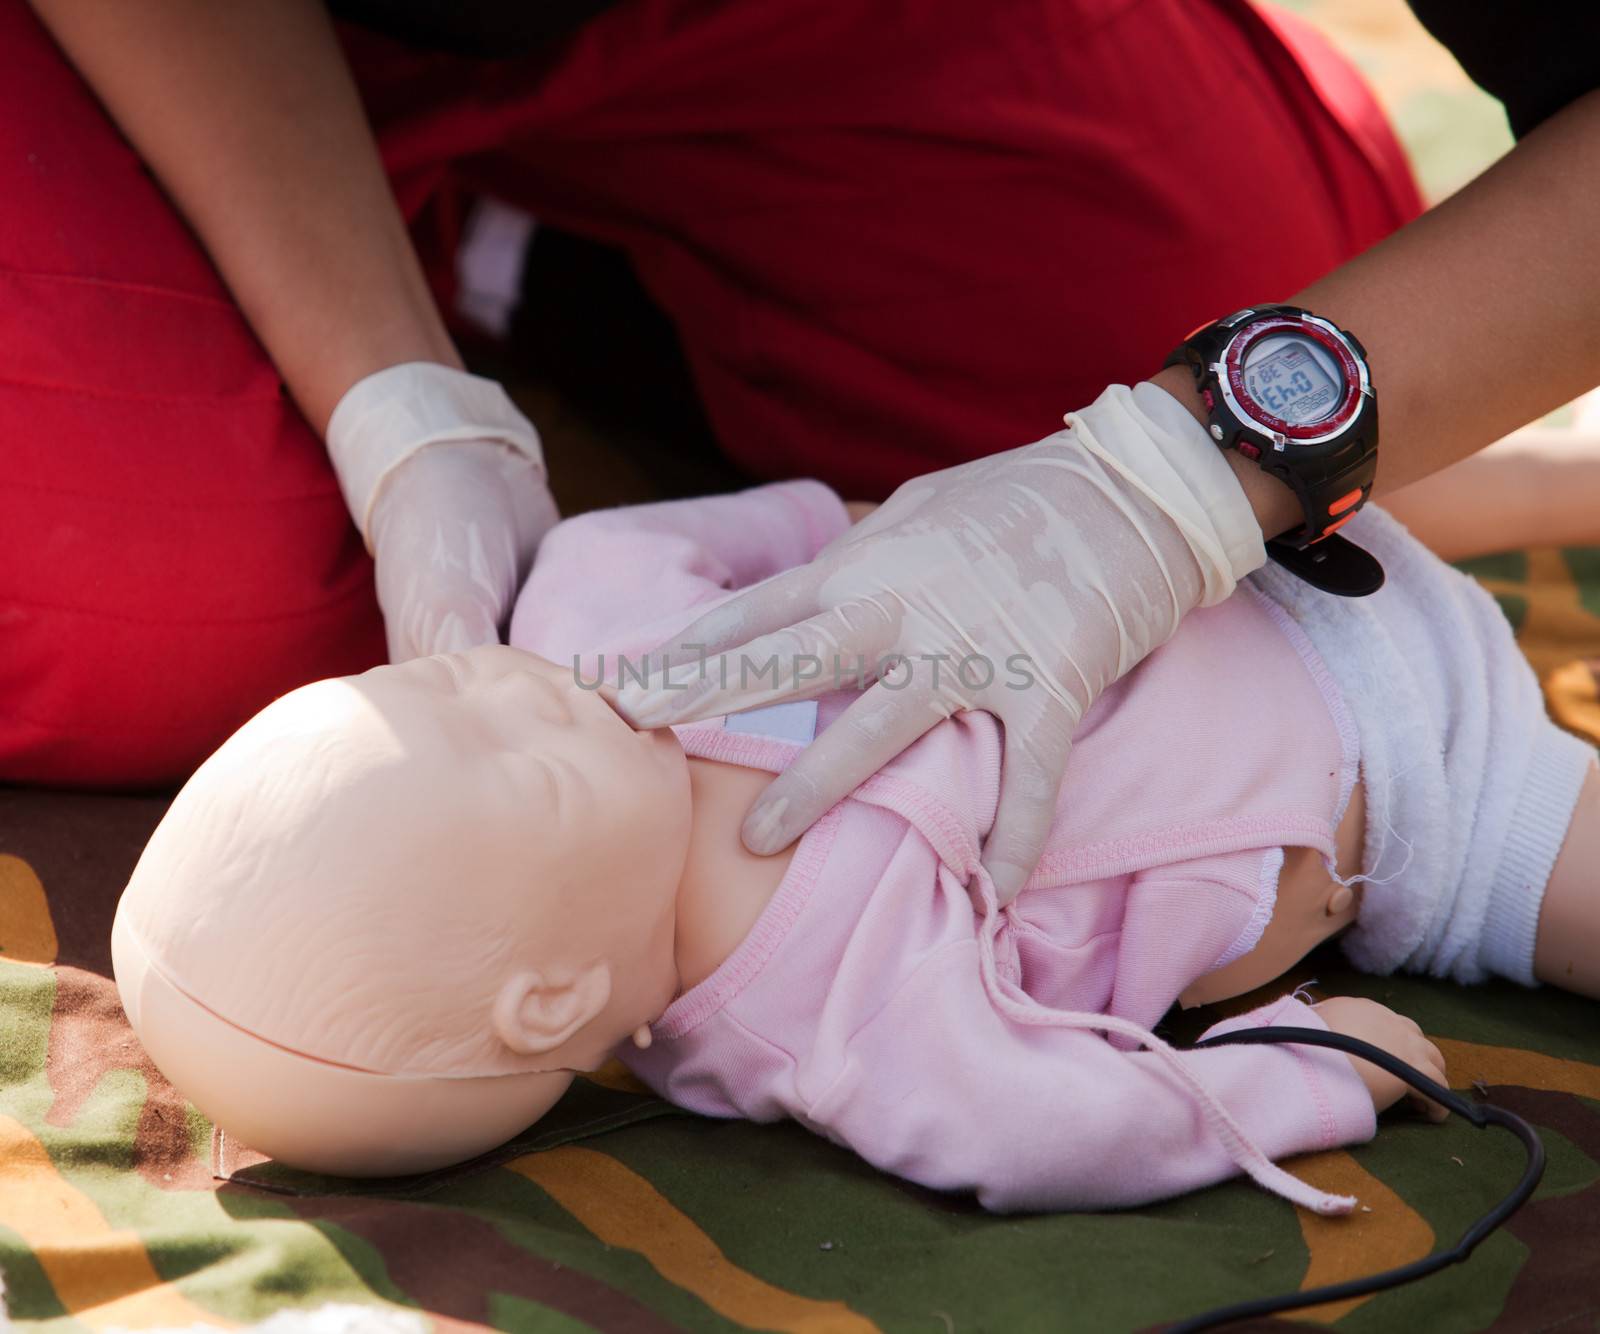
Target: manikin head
(380, 926)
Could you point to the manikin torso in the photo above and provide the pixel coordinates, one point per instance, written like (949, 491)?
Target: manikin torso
(725, 888)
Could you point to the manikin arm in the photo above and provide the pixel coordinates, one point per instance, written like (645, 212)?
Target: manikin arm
(645, 570)
(949, 1087)
(942, 1089)
(1566, 952)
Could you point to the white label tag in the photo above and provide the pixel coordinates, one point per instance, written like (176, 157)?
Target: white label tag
(794, 721)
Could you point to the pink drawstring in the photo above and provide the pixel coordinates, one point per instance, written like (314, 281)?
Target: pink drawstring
(1241, 1148)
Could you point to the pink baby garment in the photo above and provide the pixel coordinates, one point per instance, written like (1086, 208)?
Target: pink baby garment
(882, 999)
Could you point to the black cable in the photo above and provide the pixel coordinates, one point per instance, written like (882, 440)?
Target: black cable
(1481, 1114)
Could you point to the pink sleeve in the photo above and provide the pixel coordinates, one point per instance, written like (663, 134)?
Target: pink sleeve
(943, 1089)
(623, 580)
(1183, 920)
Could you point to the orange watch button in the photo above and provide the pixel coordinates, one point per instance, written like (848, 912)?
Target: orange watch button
(1335, 526)
(1344, 502)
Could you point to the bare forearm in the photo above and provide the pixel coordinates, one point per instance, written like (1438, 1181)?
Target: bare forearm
(249, 117)
(1484, 313)
(1478, 317)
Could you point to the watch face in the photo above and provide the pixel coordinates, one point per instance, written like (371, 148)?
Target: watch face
(1293, 378)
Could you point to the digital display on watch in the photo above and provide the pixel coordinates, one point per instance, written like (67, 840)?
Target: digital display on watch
(1293, 378)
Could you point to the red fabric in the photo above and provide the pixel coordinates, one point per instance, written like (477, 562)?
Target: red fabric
(174, 550)
(897, 236)
(892, 237)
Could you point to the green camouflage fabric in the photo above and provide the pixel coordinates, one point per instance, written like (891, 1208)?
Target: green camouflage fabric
(121, 1209)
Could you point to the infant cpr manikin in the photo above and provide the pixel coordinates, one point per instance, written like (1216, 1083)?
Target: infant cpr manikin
(381, 926)
(379, 929)
(496, 972)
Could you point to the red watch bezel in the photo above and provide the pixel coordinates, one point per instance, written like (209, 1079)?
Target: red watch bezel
(1233, 357)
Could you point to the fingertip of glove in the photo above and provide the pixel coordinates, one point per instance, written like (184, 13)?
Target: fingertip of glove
(637, 705)
(762, 831)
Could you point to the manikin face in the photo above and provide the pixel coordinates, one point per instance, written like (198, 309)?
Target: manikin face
(462, 865)
(519, 732)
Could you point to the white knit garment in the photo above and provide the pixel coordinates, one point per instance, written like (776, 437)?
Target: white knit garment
(1469, 786)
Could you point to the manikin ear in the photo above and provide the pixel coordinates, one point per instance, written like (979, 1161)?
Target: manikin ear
(536, 1012)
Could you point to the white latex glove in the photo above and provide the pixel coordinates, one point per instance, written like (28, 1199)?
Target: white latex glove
(445, 479)
(1081, 552)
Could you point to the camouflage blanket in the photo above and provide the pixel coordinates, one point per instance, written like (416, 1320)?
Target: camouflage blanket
(121, 1209)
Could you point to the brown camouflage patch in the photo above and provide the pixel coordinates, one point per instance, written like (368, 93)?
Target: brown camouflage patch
(89, 1037)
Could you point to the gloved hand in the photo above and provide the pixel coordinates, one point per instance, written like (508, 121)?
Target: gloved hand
(1023, 583)
(445, 479)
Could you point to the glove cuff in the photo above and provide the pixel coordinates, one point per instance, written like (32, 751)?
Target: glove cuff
(1156, 446)
(1198, 459)
(387, 417)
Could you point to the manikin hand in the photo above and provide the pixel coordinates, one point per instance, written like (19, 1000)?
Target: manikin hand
(1023, 583)
(1357, 1017)
(445, 478)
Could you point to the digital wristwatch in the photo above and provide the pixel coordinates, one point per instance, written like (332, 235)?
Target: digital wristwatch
(1292, 392)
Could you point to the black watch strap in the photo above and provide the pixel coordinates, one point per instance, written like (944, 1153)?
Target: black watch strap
(1332, 563)
(1335, 565)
